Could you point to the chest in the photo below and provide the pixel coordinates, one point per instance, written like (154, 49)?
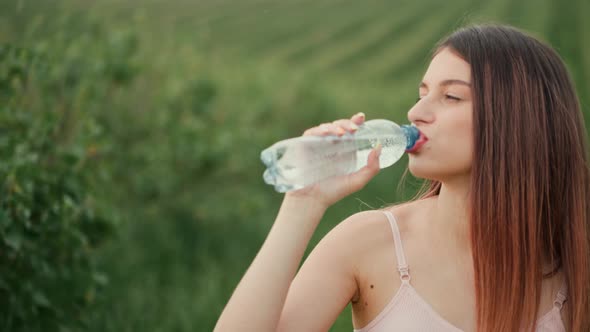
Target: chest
(444, 286)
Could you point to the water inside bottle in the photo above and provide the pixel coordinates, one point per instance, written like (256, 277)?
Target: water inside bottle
(392, 149)
(294, 164)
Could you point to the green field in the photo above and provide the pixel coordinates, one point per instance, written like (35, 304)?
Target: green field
(199, 88)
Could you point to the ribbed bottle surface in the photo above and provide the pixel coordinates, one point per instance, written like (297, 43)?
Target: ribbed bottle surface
(298, 162)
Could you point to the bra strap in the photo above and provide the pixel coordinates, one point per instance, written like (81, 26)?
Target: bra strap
(561, 296)
(402, 266)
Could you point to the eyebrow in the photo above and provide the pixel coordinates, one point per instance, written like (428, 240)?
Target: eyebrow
(447, 82)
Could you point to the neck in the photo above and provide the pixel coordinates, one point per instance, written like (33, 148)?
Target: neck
(450, 215)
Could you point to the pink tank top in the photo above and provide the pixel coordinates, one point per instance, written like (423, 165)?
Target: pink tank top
(408, 311)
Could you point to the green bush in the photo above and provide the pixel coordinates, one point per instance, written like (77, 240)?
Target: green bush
(51, 148)
(156, 114)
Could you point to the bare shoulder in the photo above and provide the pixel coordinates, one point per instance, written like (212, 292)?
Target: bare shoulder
(406, 214)
(368, 232)
(358, 236)
(359, 231)
(410, 214)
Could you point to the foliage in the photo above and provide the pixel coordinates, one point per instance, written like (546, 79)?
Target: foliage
(130, 182)
(51, 221)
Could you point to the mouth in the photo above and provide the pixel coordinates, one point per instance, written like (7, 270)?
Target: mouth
(421, 141)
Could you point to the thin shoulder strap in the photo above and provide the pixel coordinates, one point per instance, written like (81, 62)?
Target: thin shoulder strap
(402, 266)
(561, 296)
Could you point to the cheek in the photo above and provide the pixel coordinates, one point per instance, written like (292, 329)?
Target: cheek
(457, 149)
(450, 154)
(442, 161)
(458, 144)
(458, 134)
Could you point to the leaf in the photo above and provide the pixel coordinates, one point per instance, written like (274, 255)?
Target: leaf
(5, 221)
(41, 300)
(100, 278)
(13, 240)
(3, 284)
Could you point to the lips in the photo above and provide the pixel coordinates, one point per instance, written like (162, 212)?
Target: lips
(421, 141)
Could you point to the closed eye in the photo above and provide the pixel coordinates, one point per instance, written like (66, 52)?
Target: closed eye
(449, 97)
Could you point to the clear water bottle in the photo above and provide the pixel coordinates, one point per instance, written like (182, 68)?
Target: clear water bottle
(298, 162)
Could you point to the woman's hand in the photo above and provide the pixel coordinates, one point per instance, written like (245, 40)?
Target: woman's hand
(331, 190)
(268, 279)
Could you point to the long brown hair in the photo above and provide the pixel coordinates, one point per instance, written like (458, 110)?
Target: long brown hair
(530, 179)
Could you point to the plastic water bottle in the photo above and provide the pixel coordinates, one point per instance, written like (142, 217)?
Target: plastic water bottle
(298, 162)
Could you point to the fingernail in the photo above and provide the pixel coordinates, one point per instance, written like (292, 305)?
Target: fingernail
(378, 148)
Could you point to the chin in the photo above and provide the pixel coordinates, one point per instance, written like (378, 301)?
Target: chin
(420, 168)
(423, 172)
(433, 171)
(425, 176)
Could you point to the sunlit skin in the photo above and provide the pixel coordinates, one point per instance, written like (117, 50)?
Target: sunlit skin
(356, 261)
(443, 113)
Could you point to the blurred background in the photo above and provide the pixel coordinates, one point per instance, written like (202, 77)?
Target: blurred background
(131, 191)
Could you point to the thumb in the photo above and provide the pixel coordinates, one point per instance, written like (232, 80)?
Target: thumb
(366, 173)
(373, 160)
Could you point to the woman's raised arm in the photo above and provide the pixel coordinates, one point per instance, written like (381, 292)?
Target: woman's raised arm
(259, 298)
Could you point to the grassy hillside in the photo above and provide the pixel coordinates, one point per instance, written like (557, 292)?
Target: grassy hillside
(210, 84)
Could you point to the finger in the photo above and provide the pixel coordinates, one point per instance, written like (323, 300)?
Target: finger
(373, 158)
(323, 130)
(347, 125)
(333, 129)
(315, 131)
(358, 118)
(359, 179)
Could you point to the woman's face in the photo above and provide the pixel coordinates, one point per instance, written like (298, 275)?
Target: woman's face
(444, 115)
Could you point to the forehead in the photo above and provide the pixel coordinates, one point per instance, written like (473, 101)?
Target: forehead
(447, 65)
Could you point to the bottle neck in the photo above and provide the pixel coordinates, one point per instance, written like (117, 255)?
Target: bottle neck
(412, 135)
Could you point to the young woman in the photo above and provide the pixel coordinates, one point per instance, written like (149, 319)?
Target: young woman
(498, 241)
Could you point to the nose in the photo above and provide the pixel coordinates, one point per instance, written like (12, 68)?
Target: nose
(420, 113)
